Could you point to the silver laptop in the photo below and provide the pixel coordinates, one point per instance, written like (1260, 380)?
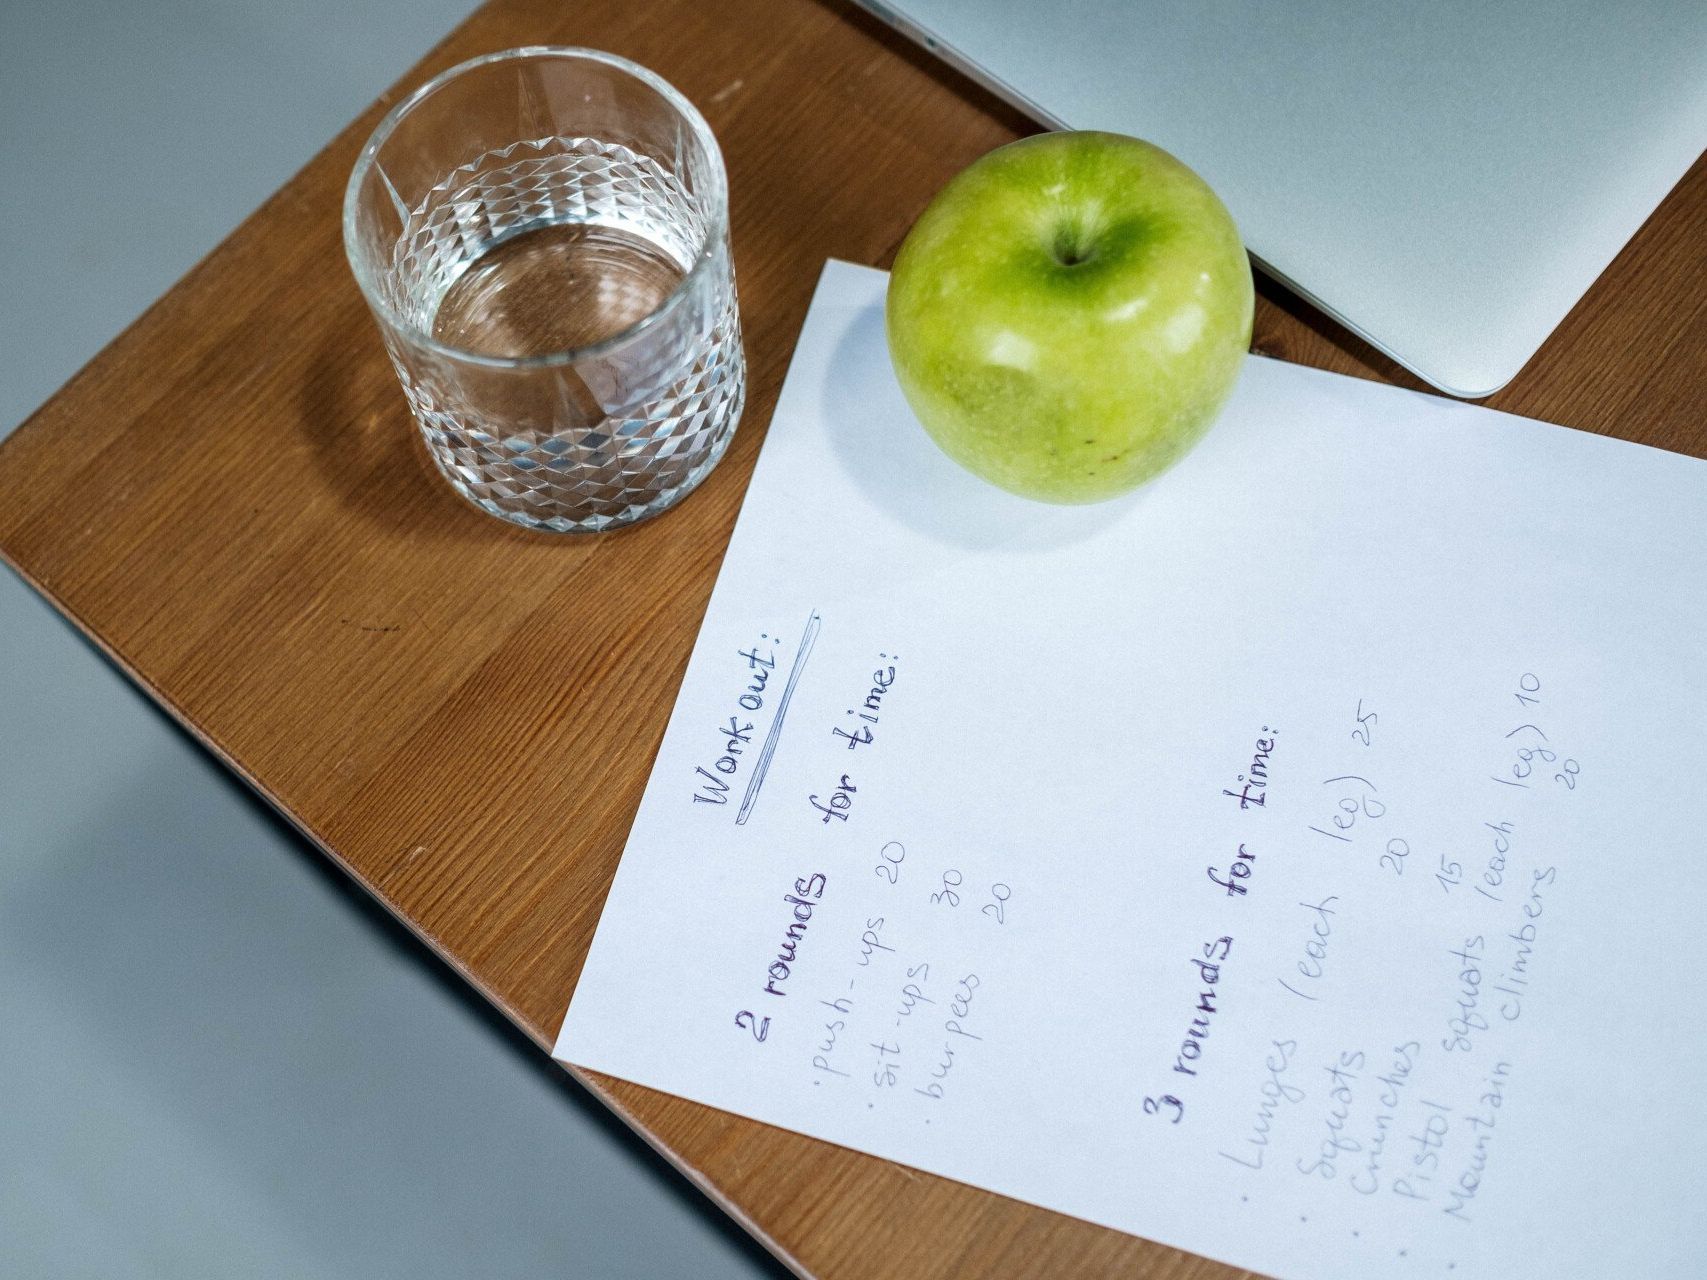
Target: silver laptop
(1445, 179)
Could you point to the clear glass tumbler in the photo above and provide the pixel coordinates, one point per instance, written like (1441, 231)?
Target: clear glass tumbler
(543, 236)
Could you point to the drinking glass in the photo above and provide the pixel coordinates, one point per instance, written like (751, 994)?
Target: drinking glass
(543, 236)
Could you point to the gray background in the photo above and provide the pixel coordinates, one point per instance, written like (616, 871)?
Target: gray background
(216, 1058)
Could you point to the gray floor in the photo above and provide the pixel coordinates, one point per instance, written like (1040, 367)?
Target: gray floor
(216, 1059)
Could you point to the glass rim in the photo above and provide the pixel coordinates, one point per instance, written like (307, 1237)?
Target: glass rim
(716, 225)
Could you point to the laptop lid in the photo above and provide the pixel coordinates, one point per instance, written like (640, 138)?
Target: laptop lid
(1446, 180)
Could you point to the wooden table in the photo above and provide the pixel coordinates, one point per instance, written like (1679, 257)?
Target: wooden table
(229, 500)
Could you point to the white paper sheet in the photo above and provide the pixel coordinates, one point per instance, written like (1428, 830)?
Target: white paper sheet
(1297, 862)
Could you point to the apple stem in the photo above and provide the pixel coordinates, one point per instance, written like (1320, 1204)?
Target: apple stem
(1068, 249)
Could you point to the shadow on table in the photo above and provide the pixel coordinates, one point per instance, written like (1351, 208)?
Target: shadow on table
(353, 415)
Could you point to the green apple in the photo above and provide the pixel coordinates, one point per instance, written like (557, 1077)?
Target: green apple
(1069, 315)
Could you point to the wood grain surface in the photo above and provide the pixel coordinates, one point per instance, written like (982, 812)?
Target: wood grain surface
(230, 500)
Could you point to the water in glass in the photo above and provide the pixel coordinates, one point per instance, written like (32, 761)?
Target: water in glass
(569, 245)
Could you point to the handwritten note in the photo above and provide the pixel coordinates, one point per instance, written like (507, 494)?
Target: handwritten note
(1296, 862)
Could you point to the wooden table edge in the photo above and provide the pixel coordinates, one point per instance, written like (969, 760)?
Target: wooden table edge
(587, 1079)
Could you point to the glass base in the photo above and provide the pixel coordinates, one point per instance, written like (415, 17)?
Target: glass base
(591, 501)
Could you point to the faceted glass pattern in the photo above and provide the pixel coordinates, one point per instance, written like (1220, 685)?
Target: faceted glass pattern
(560, 309)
